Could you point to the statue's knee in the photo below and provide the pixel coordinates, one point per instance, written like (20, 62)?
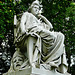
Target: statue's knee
(61, 35)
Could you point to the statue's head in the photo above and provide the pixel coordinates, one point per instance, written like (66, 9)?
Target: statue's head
(35, 7)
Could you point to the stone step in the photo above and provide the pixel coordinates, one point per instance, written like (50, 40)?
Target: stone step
(35, 71)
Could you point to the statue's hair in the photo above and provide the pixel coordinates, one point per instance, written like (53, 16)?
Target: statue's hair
(34, 3)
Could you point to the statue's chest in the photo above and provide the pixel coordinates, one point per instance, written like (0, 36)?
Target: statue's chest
(31, 21)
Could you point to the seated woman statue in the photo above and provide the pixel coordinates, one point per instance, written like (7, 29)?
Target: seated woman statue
(49, 48)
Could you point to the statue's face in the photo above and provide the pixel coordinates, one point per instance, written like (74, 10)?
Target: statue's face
(17, 62)
(35, 10)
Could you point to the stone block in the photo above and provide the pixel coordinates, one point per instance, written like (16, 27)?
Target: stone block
(34, 71)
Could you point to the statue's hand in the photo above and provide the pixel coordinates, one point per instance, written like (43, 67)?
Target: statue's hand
(46, 21)
(41, 16)
(23, 31)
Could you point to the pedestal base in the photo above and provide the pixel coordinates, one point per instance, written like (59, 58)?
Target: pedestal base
(34, 71)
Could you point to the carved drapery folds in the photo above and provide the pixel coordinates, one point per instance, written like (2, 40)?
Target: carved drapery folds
(40, 47)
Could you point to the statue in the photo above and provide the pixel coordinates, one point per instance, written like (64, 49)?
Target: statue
(41, 47)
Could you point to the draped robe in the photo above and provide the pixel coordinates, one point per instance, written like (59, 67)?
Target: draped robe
(49, 43)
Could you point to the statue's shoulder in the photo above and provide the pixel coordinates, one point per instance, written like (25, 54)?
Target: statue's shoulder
(27, 13)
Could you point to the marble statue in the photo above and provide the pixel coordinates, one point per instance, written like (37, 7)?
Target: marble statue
(42, 48)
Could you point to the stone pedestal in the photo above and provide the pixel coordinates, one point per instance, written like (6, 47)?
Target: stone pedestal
(34, 71)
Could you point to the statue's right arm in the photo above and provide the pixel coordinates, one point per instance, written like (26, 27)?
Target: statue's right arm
(22, 24)
(46, 21)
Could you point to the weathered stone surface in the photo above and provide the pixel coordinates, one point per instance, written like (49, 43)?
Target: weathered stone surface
(35, 71)
(37, 46)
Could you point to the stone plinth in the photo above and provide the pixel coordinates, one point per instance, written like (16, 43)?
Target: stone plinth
(34, 71)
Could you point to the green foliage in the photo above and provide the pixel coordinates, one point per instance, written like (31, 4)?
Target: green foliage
(6, 17)
(70, 12)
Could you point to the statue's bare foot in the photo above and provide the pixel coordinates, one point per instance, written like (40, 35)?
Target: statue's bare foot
(33, 65)
(53, 64)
